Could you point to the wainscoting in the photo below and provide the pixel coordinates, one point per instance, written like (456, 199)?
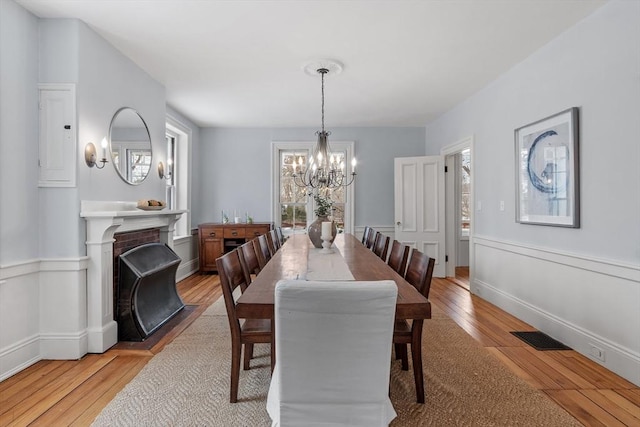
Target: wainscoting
(591, 305)
(43, 308)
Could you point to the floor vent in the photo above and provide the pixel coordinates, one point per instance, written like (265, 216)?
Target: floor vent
(540, 341)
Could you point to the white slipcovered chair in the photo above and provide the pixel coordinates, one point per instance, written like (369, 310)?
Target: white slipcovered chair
(333, 353)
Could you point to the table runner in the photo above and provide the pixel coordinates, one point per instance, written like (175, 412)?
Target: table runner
(327, 267)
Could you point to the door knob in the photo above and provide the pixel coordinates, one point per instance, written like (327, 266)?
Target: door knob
(398, 223)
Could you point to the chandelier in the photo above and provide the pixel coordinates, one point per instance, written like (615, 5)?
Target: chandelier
(324, 169)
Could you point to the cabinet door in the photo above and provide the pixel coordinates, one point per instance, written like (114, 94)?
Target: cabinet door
(57, 140)
(211, 247)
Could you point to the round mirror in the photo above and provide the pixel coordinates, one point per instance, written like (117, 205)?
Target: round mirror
(130, 144)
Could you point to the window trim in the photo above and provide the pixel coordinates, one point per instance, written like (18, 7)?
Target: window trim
(277, 146)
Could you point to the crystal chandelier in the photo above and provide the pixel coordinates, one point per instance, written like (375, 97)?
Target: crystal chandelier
(325, 169)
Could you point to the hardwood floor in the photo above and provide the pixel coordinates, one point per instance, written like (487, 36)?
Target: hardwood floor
(61, 393)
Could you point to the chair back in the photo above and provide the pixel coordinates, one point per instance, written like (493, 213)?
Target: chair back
(365, 234)
(381, 246)
(333, 355)
(371, 237)
(270, 244)
(265, 252)
(250, 256)
(232, 274)
(275, 240)
(280, 235)
(398, 257)
(420, 271)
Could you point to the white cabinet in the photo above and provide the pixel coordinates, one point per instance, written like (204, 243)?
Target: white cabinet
(57, 137)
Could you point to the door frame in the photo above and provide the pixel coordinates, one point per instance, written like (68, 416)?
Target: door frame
(451, 232)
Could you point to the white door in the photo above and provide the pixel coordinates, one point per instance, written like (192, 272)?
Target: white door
(419, 206)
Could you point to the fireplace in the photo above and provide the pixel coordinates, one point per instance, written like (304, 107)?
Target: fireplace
(147, 296)
(103, 220)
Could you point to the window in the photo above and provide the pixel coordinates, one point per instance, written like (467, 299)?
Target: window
(294, 200)
(293, 207)
(465, 186)
(178, 140)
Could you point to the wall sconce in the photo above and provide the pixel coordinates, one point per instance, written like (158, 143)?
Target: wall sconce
(161, 172)
(90, 156)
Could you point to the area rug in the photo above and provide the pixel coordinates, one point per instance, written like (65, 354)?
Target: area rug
(187, 384)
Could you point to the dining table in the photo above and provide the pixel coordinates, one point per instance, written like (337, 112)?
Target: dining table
(292, 261)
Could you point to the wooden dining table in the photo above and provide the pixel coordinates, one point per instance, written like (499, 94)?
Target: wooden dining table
(291, 262)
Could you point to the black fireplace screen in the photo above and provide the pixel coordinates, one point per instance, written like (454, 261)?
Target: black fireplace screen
(147, 295)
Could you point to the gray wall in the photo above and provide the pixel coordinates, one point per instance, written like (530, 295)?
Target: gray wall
(234, 169)
(19, 231)
(596, 67)
(105, 80)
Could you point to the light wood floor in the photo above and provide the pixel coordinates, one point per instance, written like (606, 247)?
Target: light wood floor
(61, 393)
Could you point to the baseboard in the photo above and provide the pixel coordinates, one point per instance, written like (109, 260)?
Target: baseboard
(56, 346)
(187, 268)
(580, 301)
(18, 356)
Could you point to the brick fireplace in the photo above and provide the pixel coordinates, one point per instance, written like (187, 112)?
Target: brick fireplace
(103, 221)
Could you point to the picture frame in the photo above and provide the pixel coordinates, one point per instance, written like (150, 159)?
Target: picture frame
(547, 171)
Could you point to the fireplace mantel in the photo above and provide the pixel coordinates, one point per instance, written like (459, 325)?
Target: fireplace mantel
(104, 219)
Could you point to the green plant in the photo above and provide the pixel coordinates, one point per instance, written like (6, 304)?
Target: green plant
(324, 205)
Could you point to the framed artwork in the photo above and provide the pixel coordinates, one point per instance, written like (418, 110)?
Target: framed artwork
(547, 166)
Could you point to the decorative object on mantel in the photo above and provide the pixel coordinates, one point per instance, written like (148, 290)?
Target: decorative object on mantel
(90, 155)
(324, 205)
(151, 205)
(547, 171)
(325, 169)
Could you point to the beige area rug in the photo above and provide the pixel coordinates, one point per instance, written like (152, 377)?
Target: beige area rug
(187, 384)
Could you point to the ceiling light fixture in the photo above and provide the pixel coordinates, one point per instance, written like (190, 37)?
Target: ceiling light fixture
(325, 169)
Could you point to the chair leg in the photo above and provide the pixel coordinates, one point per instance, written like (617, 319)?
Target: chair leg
(248, 355)
(235, 371)
(416, 358)
(397, 350)
(402, 355)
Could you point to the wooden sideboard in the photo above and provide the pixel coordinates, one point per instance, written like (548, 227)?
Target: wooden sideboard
(216, 239)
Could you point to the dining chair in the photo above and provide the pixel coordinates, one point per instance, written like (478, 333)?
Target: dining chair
(365, 234)
(419, 274)
(265, 252)
(250, 258)
(332, 358)
(280, 235)
(398, 257)
(381, 246)
(276, 239)
(271, 240)
(252, 331)
(371, 238)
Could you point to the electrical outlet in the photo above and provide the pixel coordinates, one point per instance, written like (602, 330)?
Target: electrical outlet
(596, 352)
(502, 205)
(479, 205)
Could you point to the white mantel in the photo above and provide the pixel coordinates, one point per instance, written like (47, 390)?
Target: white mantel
(104, 219)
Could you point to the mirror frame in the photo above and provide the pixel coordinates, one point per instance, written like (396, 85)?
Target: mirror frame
(121, 173)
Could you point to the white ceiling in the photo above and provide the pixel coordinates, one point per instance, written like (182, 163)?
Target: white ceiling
(239, 63)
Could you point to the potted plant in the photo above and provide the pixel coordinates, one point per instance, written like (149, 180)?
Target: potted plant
(324, 208)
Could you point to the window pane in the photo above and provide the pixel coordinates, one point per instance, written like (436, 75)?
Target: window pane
(139, 164)
(293, 216)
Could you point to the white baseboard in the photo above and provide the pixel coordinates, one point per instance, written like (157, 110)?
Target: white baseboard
(187, 268)
(18, 356)
(588, 304)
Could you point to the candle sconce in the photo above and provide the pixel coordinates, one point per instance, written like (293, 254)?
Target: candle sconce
(165, 174)
(90, 155)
